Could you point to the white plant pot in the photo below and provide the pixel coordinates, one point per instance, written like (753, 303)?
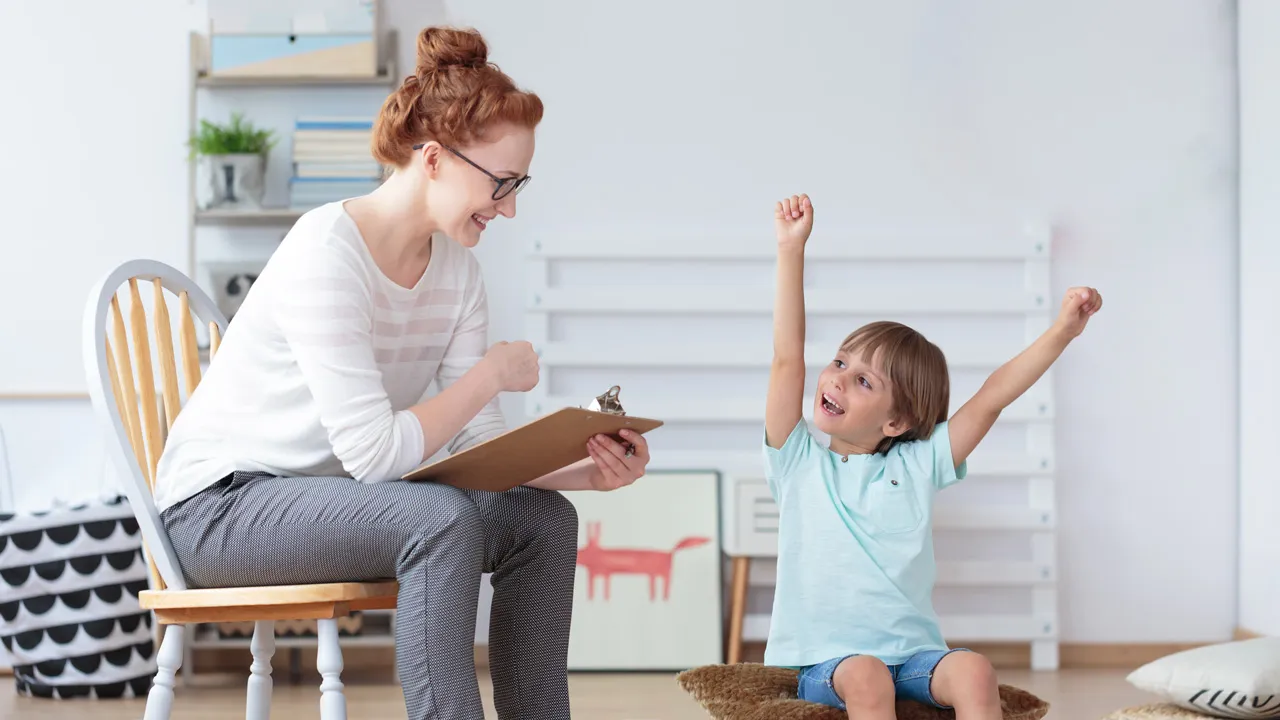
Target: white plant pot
(234, 181)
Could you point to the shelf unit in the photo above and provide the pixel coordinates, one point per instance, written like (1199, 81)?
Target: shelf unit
(386, 76)
(708, 380)
(264, 216)
(201, 80)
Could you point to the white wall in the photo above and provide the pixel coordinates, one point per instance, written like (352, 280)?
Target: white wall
(94, 160)
(1259, 315)
(94, 153)
(1114, 121)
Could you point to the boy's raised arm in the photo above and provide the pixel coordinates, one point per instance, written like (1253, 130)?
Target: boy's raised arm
(793, 220)
(974, 419)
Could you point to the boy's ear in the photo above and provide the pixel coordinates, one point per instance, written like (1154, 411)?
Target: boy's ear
(895, 427)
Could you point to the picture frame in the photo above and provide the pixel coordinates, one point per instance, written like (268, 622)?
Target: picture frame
(649, 588)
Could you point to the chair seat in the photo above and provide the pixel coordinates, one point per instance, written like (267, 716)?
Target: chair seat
(270, 602)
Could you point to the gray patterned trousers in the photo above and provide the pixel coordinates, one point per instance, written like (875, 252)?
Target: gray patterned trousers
(256, 529)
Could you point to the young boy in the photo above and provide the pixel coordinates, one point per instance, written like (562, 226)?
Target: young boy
(853, 605)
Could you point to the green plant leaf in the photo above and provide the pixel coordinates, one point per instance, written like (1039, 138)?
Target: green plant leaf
(237, 137)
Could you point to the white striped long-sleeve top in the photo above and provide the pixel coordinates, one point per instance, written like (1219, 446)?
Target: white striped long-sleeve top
(322, 361)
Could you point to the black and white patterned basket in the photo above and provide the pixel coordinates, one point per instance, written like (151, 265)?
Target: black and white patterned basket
(69, 614)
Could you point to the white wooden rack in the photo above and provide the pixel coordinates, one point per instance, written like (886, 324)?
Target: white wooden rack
(1001, 278)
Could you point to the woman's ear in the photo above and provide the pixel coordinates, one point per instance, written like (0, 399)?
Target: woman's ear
(430, 158)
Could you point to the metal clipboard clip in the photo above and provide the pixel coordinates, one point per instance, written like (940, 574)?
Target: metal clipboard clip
(608, 402)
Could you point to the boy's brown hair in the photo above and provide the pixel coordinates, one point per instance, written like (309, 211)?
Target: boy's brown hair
(916, 368)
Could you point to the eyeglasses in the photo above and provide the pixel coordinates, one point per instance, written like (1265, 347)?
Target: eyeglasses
(506, 186)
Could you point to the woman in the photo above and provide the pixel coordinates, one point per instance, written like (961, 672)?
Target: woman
(283, 467)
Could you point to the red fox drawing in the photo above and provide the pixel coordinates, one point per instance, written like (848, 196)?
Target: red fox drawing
(607, 562)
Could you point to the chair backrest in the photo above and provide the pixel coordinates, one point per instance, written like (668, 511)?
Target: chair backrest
(122, 386)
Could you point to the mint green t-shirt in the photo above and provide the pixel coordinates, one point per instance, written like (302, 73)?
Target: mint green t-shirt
(856, 567)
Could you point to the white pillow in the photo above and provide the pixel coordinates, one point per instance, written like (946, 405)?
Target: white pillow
(1232, 680)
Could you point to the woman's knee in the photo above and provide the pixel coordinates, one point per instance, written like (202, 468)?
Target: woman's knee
(442, 533)
(552, 521)
(544, 516)
(559, 517)
(864, 682)
(446, 511)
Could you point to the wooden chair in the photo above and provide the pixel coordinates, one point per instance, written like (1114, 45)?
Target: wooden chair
(130, 410)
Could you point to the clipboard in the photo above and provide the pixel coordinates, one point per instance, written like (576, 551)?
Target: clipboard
(530, 451)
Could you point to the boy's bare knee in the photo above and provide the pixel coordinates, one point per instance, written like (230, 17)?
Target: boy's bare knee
(863, 682)
(966, 678)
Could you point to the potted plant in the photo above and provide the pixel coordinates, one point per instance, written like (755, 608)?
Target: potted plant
(235, 162)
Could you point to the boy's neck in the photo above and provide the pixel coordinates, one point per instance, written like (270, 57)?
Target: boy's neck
(846, 448)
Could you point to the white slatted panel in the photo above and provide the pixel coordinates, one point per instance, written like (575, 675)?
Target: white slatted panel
(991, 628)
(702, 354)
(759, 514)
(748, 409)
(738, 285)
(1041, 491)
(996, 517)
(667, 299)
(890, 244)
(972, 573)
(745, 463)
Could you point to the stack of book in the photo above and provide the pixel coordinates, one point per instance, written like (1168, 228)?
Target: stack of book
(332, 161)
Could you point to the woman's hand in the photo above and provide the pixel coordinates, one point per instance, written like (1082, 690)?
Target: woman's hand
(617, 466)
(514, 366)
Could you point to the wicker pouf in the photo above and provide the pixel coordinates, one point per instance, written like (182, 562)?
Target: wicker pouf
(69, 614)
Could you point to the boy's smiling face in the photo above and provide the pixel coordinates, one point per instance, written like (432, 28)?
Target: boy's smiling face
(854, 404)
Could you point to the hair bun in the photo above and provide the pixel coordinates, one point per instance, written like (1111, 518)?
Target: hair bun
(454, 97)
(441, 47)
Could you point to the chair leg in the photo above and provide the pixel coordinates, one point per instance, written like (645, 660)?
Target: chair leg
(738, 607)
(333, 705)
(263, 646)
(168, 659)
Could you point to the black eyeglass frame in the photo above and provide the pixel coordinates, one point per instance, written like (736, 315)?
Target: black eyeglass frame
(517, 184)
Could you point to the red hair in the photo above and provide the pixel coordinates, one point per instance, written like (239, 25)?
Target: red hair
(453, 97)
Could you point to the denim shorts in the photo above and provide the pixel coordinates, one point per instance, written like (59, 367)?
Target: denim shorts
(911, 679)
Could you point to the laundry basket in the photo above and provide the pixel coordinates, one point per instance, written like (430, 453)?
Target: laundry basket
(69, 614)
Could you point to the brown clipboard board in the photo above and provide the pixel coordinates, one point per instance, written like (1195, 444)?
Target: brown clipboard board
(530, 451)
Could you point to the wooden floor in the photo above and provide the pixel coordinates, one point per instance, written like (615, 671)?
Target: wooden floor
(1074, 694)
